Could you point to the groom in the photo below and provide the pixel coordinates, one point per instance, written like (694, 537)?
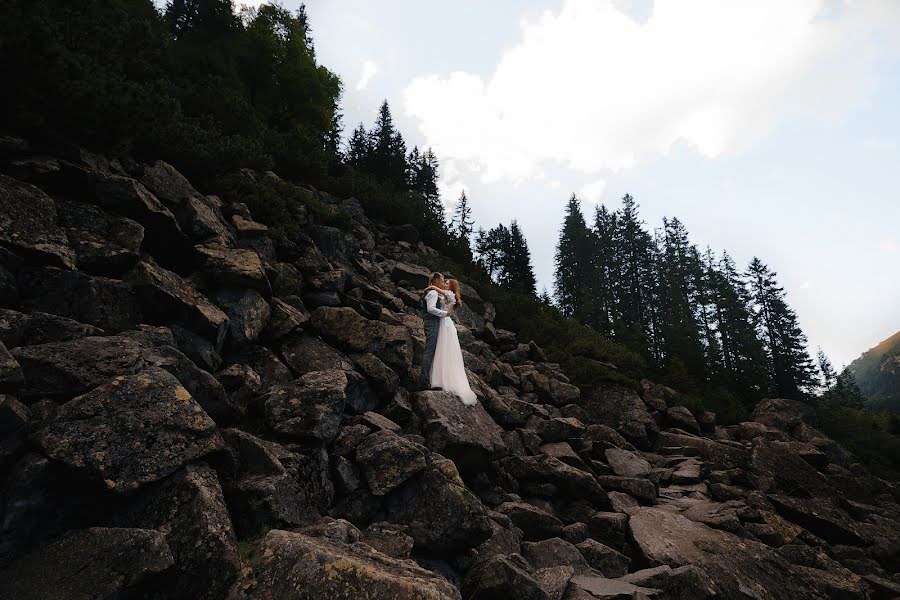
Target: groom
(434, 311)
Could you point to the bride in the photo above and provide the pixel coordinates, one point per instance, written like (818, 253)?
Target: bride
(447, 370)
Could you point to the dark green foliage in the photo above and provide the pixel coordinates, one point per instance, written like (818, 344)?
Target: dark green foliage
(504, 256)
(279, 203)
(576, 268)
(867, 435)
(462, 225)
(878, 373)
(207, 90)
(789, 364)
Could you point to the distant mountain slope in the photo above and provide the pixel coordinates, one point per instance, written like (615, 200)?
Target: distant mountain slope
(877, 372)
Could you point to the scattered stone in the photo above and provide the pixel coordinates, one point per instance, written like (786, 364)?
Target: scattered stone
(626, 463)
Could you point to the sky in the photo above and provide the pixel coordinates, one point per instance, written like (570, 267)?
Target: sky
(769, 128)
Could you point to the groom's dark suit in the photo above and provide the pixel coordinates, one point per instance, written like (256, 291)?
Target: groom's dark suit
(431, 318)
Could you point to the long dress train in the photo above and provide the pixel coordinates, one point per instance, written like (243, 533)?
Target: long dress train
(448, 370)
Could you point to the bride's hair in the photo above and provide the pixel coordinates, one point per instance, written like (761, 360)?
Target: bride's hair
(454, 287)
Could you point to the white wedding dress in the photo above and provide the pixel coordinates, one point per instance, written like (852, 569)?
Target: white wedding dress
(447, 370)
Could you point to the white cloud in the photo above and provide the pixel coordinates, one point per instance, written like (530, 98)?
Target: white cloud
(593, 192)
(593, 89)
(889, 246)
(369, 69)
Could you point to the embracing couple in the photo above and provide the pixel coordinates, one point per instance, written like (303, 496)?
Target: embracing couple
(442, 363)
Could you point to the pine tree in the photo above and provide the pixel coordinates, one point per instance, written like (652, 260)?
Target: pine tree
(790, 366)
(826, 370)
(845, 392)
(518, 273)
(605, 226)
(462, 224)
(545, 297)
(679, 271)
(575, 277)
(743, 356)
(636, 272)
(491, 249)
(359, 150)
(388, 159)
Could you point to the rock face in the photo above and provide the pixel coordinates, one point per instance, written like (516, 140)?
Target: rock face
(192, 408)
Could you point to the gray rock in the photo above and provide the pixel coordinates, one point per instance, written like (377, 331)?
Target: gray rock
(109, 304)
(166, 297)
(608, 561)
(103, 244)
(535, 523)
(248, 312)
(502, 577)
(28, 224)
(189, 509)
(311, 407)
(438, 511)
(236, 267)
(294, 566)
(134, 430)
(626, 463)
(465, 434)
(388, 460)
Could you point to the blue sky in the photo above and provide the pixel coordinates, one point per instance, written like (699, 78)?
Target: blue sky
(769, 128)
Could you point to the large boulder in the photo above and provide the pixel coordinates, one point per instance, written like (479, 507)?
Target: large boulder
(784, 414)
(294, 566)
(351, 332)
(626, 463)
(788, 472)
(387, 460)
(104, 244)
(167, 184)
(28, 224)
(236, 267)
(260, 491)
(11, 375)
(248, 312)
(134, 430)
(681, 417)
(305, 353)
(21, 329)
(190, 510)
(106, 303)
(570, 481)
(536, 524)
(65, 369)
(311, 407)
(503, 576)
(127, 197)
(439, 512)
(465, 434)
(822, 517)
(88, 563)
(621, 408)
(734, 564)
(167, 298)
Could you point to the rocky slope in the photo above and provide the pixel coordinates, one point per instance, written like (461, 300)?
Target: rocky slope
(191, 409)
